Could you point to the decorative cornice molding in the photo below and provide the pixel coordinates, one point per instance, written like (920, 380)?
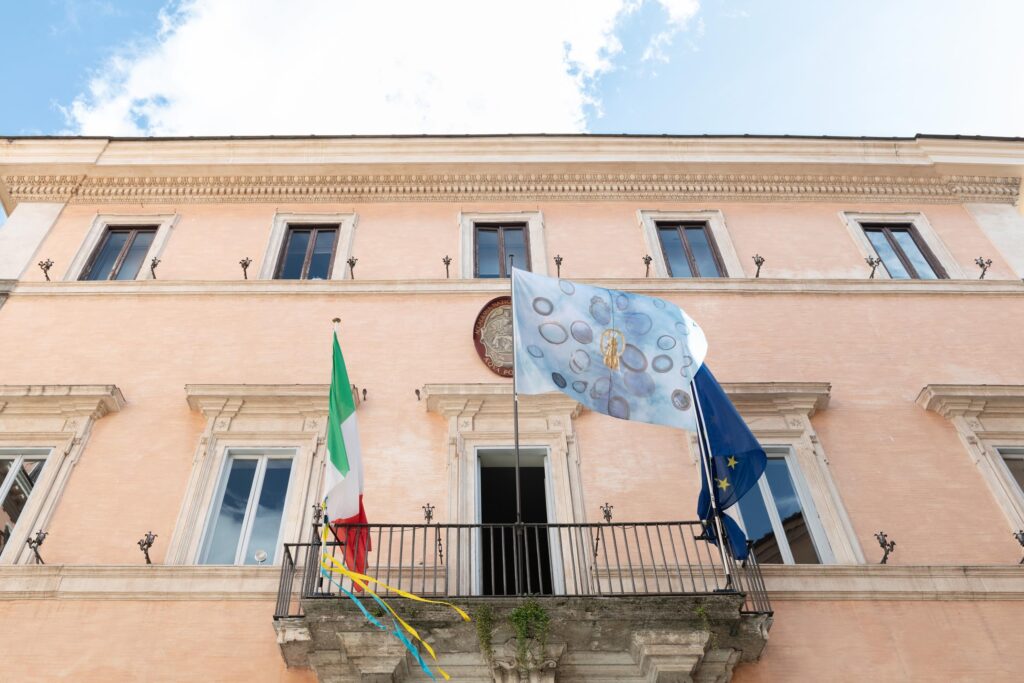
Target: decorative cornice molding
(771, 398)
(455, 400)
(66, 400)
(515, 186)
(214, 400)
(957, 400)
(494, 287)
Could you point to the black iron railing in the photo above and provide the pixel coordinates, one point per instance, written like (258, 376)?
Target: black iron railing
(509, 560)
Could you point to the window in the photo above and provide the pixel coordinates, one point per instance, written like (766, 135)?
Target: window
(689, 250)
(120, 254)
(496, 246)
(903, 253)
(1013, 459)
(245, 521)
(19, 472)
(308, 253)
(779, 517)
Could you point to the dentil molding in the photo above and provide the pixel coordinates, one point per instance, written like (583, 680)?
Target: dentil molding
(515, 186)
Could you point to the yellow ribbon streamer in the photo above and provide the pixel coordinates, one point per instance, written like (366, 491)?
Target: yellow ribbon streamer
(363, 581)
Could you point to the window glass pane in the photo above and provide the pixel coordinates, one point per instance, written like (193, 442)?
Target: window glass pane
(320, 262)
(913, 254)
(294, 255)
(792, 515)
(136, 252)
(14, 502)
(758, 526)
(107, 257)
(267, 526)
(1015, 463)
(702, 254)
(889, 259)
(487, 253)
(515, 245)
(230, 513)
(675, 256)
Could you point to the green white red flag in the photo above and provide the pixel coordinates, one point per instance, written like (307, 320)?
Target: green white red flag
(343, 480)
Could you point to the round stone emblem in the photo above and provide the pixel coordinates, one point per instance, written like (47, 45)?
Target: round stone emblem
(492, 335)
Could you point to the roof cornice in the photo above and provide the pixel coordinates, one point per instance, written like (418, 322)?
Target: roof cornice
(148, 189)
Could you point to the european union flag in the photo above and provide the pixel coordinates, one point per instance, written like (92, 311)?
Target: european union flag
(737, 459)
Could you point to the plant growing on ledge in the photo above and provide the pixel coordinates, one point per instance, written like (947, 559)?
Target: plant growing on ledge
(484, 618)
(530, 622)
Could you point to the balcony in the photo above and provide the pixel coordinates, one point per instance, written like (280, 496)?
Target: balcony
(625, 601)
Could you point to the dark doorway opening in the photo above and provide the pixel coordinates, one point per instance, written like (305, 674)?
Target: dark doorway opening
(514, 560)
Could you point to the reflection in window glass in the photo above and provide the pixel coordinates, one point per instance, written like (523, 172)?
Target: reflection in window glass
(107, 257)
(913, 253)
(323, 249)
(294, 255)
(790, 513)
(222, 545)
(515, 246)
(758, 527)
(133, 259)
(247, 516)
(18, 477)
(488, 262)
(498, 247)
(675, 254)
(689, 250)
(890, 260)
(702, 255)
(267, 524)
(121, 254)
(774, 518)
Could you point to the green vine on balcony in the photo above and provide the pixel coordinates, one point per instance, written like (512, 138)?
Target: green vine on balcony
(484, 618)
(529, 622)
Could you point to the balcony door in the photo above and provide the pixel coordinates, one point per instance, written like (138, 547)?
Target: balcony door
(514, 561)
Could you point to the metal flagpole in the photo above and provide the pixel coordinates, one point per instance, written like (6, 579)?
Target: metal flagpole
(705, 450)
(515, 394)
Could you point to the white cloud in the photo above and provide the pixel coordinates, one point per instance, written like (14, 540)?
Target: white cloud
(679, 14)
(239, 67)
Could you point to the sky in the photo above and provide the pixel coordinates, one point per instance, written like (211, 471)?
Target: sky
(251, 67)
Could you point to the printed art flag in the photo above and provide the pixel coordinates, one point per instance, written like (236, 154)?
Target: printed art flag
(343, 484)
(617, 353)
(737, 459)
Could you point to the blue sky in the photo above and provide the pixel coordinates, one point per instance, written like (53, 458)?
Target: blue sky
(195, 67)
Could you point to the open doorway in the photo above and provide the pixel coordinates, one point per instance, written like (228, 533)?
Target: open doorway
(508, 567)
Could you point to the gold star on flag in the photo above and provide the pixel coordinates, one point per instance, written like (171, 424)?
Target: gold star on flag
(723, 483)
(732, 462)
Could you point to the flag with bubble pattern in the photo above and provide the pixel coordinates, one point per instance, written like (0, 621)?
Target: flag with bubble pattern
(617, 353)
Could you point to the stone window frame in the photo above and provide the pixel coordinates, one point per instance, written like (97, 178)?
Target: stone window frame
(480, 417)
(252, 416)
(855, 221)
(779, 414)
(343, 243)
(986, 417)
(58, 419)
(712, 218)
(535, 238)
(163, 222)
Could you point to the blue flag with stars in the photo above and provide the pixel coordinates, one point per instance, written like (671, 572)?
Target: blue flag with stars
(737, 459)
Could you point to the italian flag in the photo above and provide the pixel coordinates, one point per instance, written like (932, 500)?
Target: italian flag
(343, 481)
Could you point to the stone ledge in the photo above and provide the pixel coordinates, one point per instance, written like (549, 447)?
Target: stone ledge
(894, 582)
(142, 582)
(434, 287)
(783, 582)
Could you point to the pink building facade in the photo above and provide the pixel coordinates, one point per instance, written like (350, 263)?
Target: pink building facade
(151, 383)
